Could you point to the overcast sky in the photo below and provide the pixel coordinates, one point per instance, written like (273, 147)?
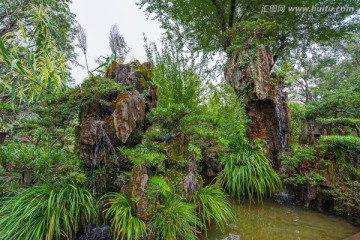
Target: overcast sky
(96, 17)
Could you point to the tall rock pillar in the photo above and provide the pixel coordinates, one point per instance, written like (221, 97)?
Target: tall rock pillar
(248, 72)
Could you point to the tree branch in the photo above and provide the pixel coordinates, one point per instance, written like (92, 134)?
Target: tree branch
(244, 10)
(232, 13)
(282, 46)
(220, 15)
(55, 140)
(12, 15)
(280, 49)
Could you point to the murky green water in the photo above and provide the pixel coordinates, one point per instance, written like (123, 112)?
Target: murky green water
(273, 221)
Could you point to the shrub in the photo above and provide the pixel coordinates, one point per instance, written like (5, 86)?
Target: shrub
(347, 143)
(303, 166)
(339, 121)
(297, 155)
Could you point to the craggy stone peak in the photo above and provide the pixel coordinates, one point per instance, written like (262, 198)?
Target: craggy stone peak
(264, 97)
(116, 119)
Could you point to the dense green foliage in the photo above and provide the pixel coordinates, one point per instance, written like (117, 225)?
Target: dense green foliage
(347, 197)
(328, 81)
(141, 155)
(346, 143)
(60, 20)
(46, 212)
(178, 78)
(35, 55)
(195, 135)
(204, 25)
(299, 159)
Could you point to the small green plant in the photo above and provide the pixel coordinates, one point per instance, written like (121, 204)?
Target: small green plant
(9, 182)
(124, 223)
(174, 219)
(212, 204)
(249, 174)
(169, 117)
(158, 187)
(46, 212)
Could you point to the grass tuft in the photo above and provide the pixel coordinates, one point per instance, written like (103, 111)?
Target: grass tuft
(212, 204)
(46, 212)
(124, 223)
(249, 174)
(174, 219)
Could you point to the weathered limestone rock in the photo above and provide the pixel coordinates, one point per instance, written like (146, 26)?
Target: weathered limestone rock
(209, 159)
(190, 183)
(264, 98)
(116, 119)
(3, 136)
(178, 148)
(128, 114)
(308, 194)
(136, 190)
(310, 132)
(92, 141)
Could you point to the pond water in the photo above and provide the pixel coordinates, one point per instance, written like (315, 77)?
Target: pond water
(273, 221)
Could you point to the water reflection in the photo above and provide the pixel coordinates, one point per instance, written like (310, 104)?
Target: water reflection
(273, 221)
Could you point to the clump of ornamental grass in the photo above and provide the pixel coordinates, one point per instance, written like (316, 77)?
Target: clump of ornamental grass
(46, 212)
(175, 219)
(124, 223)
(249, 174)
(212, 204)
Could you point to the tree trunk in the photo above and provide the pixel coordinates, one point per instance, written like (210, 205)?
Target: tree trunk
(248, 72)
